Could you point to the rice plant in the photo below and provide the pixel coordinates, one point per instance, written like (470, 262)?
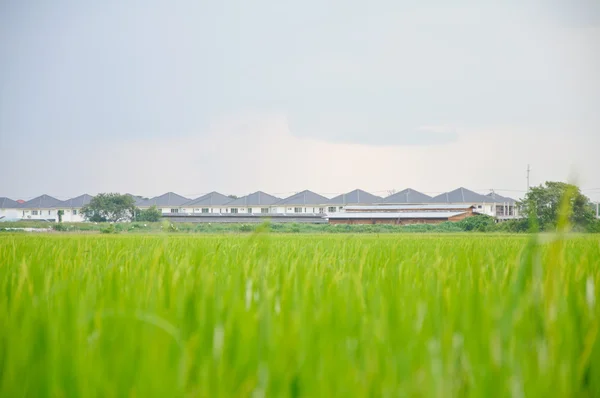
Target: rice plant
(299, 315)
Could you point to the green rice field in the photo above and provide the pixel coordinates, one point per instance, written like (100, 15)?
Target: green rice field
(259, 315)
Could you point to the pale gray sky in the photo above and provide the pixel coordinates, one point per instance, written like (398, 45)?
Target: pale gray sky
(236, 96)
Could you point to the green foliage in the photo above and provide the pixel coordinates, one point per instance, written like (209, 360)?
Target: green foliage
(109, 229)
(60, 227)
(467, 315)
(152, 214)
(111, 207)
(60, 214)
(544, 204)
(478, 223)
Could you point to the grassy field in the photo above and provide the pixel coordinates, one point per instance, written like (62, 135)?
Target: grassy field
(299, 315)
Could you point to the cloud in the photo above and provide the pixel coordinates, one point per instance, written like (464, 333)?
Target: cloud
(248, 151)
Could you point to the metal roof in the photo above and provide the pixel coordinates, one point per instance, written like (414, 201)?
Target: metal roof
(77, 202)
(500, 198)
(427, 206)
(254, 199)
(304, 198)
(7, 203)
(462, 195)
(41, 202)
(165, 200)
(407, 196)
(403, 215)
(210, 199)
(354, 197)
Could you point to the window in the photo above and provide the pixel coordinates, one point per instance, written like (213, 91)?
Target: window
(341, 208)
(205, 210)
(34, 212)
(479, 207)
(331, 210)
(49, 212)
(297, 209)
(321, 210)
(234, 211)
(174, 211)
(74, 212)
(249, 210)
(264, 210)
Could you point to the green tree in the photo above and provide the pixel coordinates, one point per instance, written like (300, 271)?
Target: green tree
(111, 207)
(152, 214)
(544, 203)
(60, 213)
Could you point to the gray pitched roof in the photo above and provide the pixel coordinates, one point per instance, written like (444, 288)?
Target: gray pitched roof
(7, 203)
(304, 198)
(165, 200)
(77, 202)
(500, 198)
(407, 195)
(462, 195)
(41, 202)
(358, 196)
(210, 199)
(254, 199)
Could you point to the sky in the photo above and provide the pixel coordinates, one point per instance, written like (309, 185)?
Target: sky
(190, 96)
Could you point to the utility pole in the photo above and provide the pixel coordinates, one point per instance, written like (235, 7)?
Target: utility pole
(528, 170)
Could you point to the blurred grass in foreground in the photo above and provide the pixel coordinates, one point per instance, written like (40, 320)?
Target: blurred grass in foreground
(303, 315)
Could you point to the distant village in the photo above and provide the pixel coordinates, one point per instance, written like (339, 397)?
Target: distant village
(356, 207)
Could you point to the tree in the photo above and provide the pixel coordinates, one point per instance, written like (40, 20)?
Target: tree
(233, 196)
(60, 214)
(152, 214)
(544, 203)
(111, 207)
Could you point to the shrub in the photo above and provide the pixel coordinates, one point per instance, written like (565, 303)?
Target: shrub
(60, 227)
(109, 229)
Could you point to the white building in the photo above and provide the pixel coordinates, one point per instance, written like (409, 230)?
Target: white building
(41, 208)
(168, 203)
(255, 203)
(9, 210)
(72, 208)
(213, 202)
(306, 202)
(352, 198)
(494, 206)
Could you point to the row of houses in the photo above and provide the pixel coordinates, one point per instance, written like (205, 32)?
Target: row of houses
(46, 207)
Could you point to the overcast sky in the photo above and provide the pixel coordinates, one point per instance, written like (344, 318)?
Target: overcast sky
(238, 96)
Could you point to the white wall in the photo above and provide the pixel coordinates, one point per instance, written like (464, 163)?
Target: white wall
(10, 213)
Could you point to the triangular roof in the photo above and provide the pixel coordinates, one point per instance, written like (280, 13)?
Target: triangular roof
(41, 202)
(7, 203)
(358, 196)
(77, 202)
(500, 198)
(461, 195)
(304, 198)
(254, 199)
(165, 200)
(407, 195)
(210, 199)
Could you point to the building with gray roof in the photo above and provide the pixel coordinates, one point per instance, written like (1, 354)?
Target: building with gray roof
(9, 209)
(76, 203)
(212, 199)
(302, 202)
(489, 205)
(356, 197)
(257, 202)
(40, 208)
(169, 202)
(407, 196)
